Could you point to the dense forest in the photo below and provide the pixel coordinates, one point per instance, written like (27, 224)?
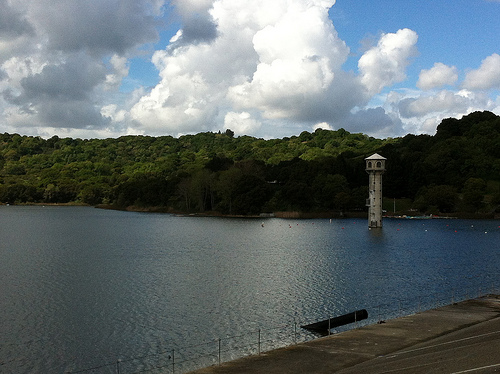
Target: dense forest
(456, 170)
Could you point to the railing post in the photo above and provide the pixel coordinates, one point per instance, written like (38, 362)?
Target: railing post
(219, 351)
(173, 361)
(258, 344)
(295, 331)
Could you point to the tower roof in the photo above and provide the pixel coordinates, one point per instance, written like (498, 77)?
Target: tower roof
(375, 156)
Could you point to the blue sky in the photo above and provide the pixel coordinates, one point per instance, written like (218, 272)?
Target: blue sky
(268, 69)
(460, 32)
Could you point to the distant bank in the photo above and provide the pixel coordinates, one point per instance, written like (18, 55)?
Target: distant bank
(300, 215)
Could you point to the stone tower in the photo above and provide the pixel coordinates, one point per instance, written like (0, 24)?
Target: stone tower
(375, 167)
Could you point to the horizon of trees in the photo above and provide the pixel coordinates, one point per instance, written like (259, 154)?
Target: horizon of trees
(456, 170)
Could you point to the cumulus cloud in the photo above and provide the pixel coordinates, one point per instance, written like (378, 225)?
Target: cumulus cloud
(60, 94)
(298, 56)
(120, 71)
(443, 101)
(241, 123)
(263, 68)
(198, 23)
(323, 126)
(73, 79)
(486, 77)
(15, 31)
(102, 27)
(422, 114)
(379, 123)
(13, 23)
(270, 64)
(275, 60)
(385, 63)
(439, 75)
(59, 58)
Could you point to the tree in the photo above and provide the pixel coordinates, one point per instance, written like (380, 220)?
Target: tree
(92, 195)
(250, 195)
(201, 189)
(184, 191)
(226, 187)
(331, 191)
(443, 197)
(318, 171)
(473, 194)
(19, 193)
(297, 195)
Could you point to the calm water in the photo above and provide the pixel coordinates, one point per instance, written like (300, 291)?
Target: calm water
(81, 287)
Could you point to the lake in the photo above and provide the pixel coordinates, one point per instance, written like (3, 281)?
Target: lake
(81, 288)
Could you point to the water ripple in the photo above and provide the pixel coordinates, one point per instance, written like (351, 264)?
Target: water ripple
(83, 287)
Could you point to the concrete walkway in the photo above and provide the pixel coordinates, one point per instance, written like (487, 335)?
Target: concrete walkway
(458, 338)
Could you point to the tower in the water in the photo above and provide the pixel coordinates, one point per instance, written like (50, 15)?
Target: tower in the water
(375, 167)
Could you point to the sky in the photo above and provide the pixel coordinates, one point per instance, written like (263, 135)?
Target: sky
(270, 69)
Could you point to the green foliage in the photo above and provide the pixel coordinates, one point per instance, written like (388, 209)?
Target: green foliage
(311, 172)
(443, 198)
(473, 195)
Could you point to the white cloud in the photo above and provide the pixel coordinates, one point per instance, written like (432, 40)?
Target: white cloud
(486, 77)
(100, 27)
(374, 122)
(279, 59)
(241, 123)
(198, 25)
(189, 7)
(263, 68)
(13, 22)
(112, 112)
(423, 113)
(58, 59)
(443, 101)
(121, 69)
(297, 59)
(439, 75)
(17, 68)
(385, 64)
(322, 125)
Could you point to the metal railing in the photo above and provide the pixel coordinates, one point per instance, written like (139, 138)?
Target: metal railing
(255, 342)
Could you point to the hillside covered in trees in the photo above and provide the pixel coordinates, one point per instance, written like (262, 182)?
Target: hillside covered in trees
(456, 170)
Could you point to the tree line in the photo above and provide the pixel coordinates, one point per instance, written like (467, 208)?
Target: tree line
(457, 169)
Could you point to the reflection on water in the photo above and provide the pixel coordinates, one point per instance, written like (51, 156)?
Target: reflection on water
(82, 286)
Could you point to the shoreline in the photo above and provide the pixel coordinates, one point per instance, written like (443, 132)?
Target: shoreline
(299, 215)
(389, 345)
(280, 214)
(45, 204)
